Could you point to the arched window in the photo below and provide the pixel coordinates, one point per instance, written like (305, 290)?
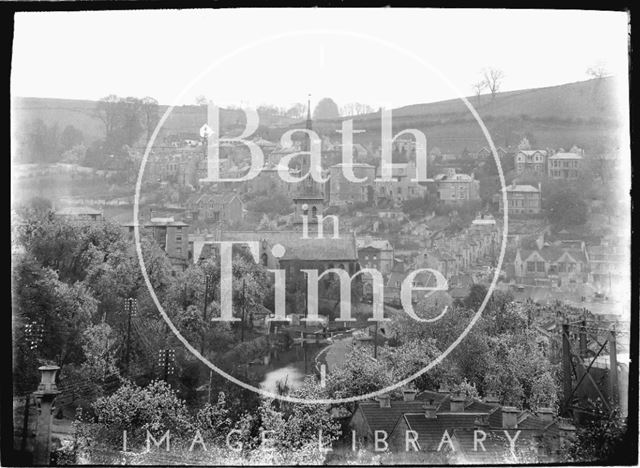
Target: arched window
(314, 211)
(265, 259)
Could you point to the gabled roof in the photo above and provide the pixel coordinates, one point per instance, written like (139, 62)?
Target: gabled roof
(430, 430)
(380, 244)
(522, 188)
(532, 152)
(565, 156)
(386, 418)
(297, 248)
(552, 254)
(213, 198)
(454, 178)
(78, 211)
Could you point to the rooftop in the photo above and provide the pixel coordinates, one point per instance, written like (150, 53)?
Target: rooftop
(78, 211)
(522, 188)
(381, 244)
(342, 249)
(565, 156)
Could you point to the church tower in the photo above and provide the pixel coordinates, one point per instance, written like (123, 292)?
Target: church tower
(309, 198)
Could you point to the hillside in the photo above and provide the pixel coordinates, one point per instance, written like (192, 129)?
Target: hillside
(81, 114)
(592, 99)
(584, 113)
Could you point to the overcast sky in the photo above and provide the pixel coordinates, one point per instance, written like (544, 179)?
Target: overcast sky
(365, 55)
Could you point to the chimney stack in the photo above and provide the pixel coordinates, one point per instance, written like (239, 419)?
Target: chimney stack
(385, 401)
(457, 402)
(430, 410)
(566, 431)
(443, 388)
(409, 394)
(510, 417)
(492, 399)
(546, 414)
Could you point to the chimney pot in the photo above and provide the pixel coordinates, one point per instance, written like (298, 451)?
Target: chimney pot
(430, 410)
(385, 401)
(457, 403)
(546, 414)
(409, 394)
(510, 417)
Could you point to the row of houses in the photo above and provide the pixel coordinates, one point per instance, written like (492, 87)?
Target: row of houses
(558, 165)
(603, 265)
(450, 428)
(455, 255)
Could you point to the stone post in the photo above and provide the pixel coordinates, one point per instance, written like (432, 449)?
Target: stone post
(45, 396)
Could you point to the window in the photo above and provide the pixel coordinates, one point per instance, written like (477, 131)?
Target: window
(179, 250)
(531, 266)
(540, 267)
(178, 238)
(561, 267)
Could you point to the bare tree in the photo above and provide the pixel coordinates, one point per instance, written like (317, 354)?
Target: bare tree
(150, 114)
(356, 108)
(107, 111)
(296, 111)
(478, 87)
(492, 78)
(598, 71)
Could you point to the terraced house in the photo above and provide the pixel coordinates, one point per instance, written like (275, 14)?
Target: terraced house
(443, 428)
(553, 264)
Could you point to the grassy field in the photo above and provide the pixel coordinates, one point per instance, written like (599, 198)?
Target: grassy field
(584, 113)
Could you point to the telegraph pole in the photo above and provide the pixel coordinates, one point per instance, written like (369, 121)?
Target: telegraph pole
(613, 366)
(566, 364)
(243, 311)
(129, 306)
(207, 280)
(375, 342)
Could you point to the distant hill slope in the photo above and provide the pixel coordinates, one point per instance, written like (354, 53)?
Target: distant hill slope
(584, 99)
(81, 114)
(584, 113)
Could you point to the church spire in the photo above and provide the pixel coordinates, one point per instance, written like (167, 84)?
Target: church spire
(309, 112)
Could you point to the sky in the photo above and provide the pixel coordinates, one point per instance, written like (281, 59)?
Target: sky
(382, 57)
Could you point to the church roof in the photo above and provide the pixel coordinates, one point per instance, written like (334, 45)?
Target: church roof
(296, 248)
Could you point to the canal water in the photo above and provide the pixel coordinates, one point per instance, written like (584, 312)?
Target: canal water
(288, 366)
